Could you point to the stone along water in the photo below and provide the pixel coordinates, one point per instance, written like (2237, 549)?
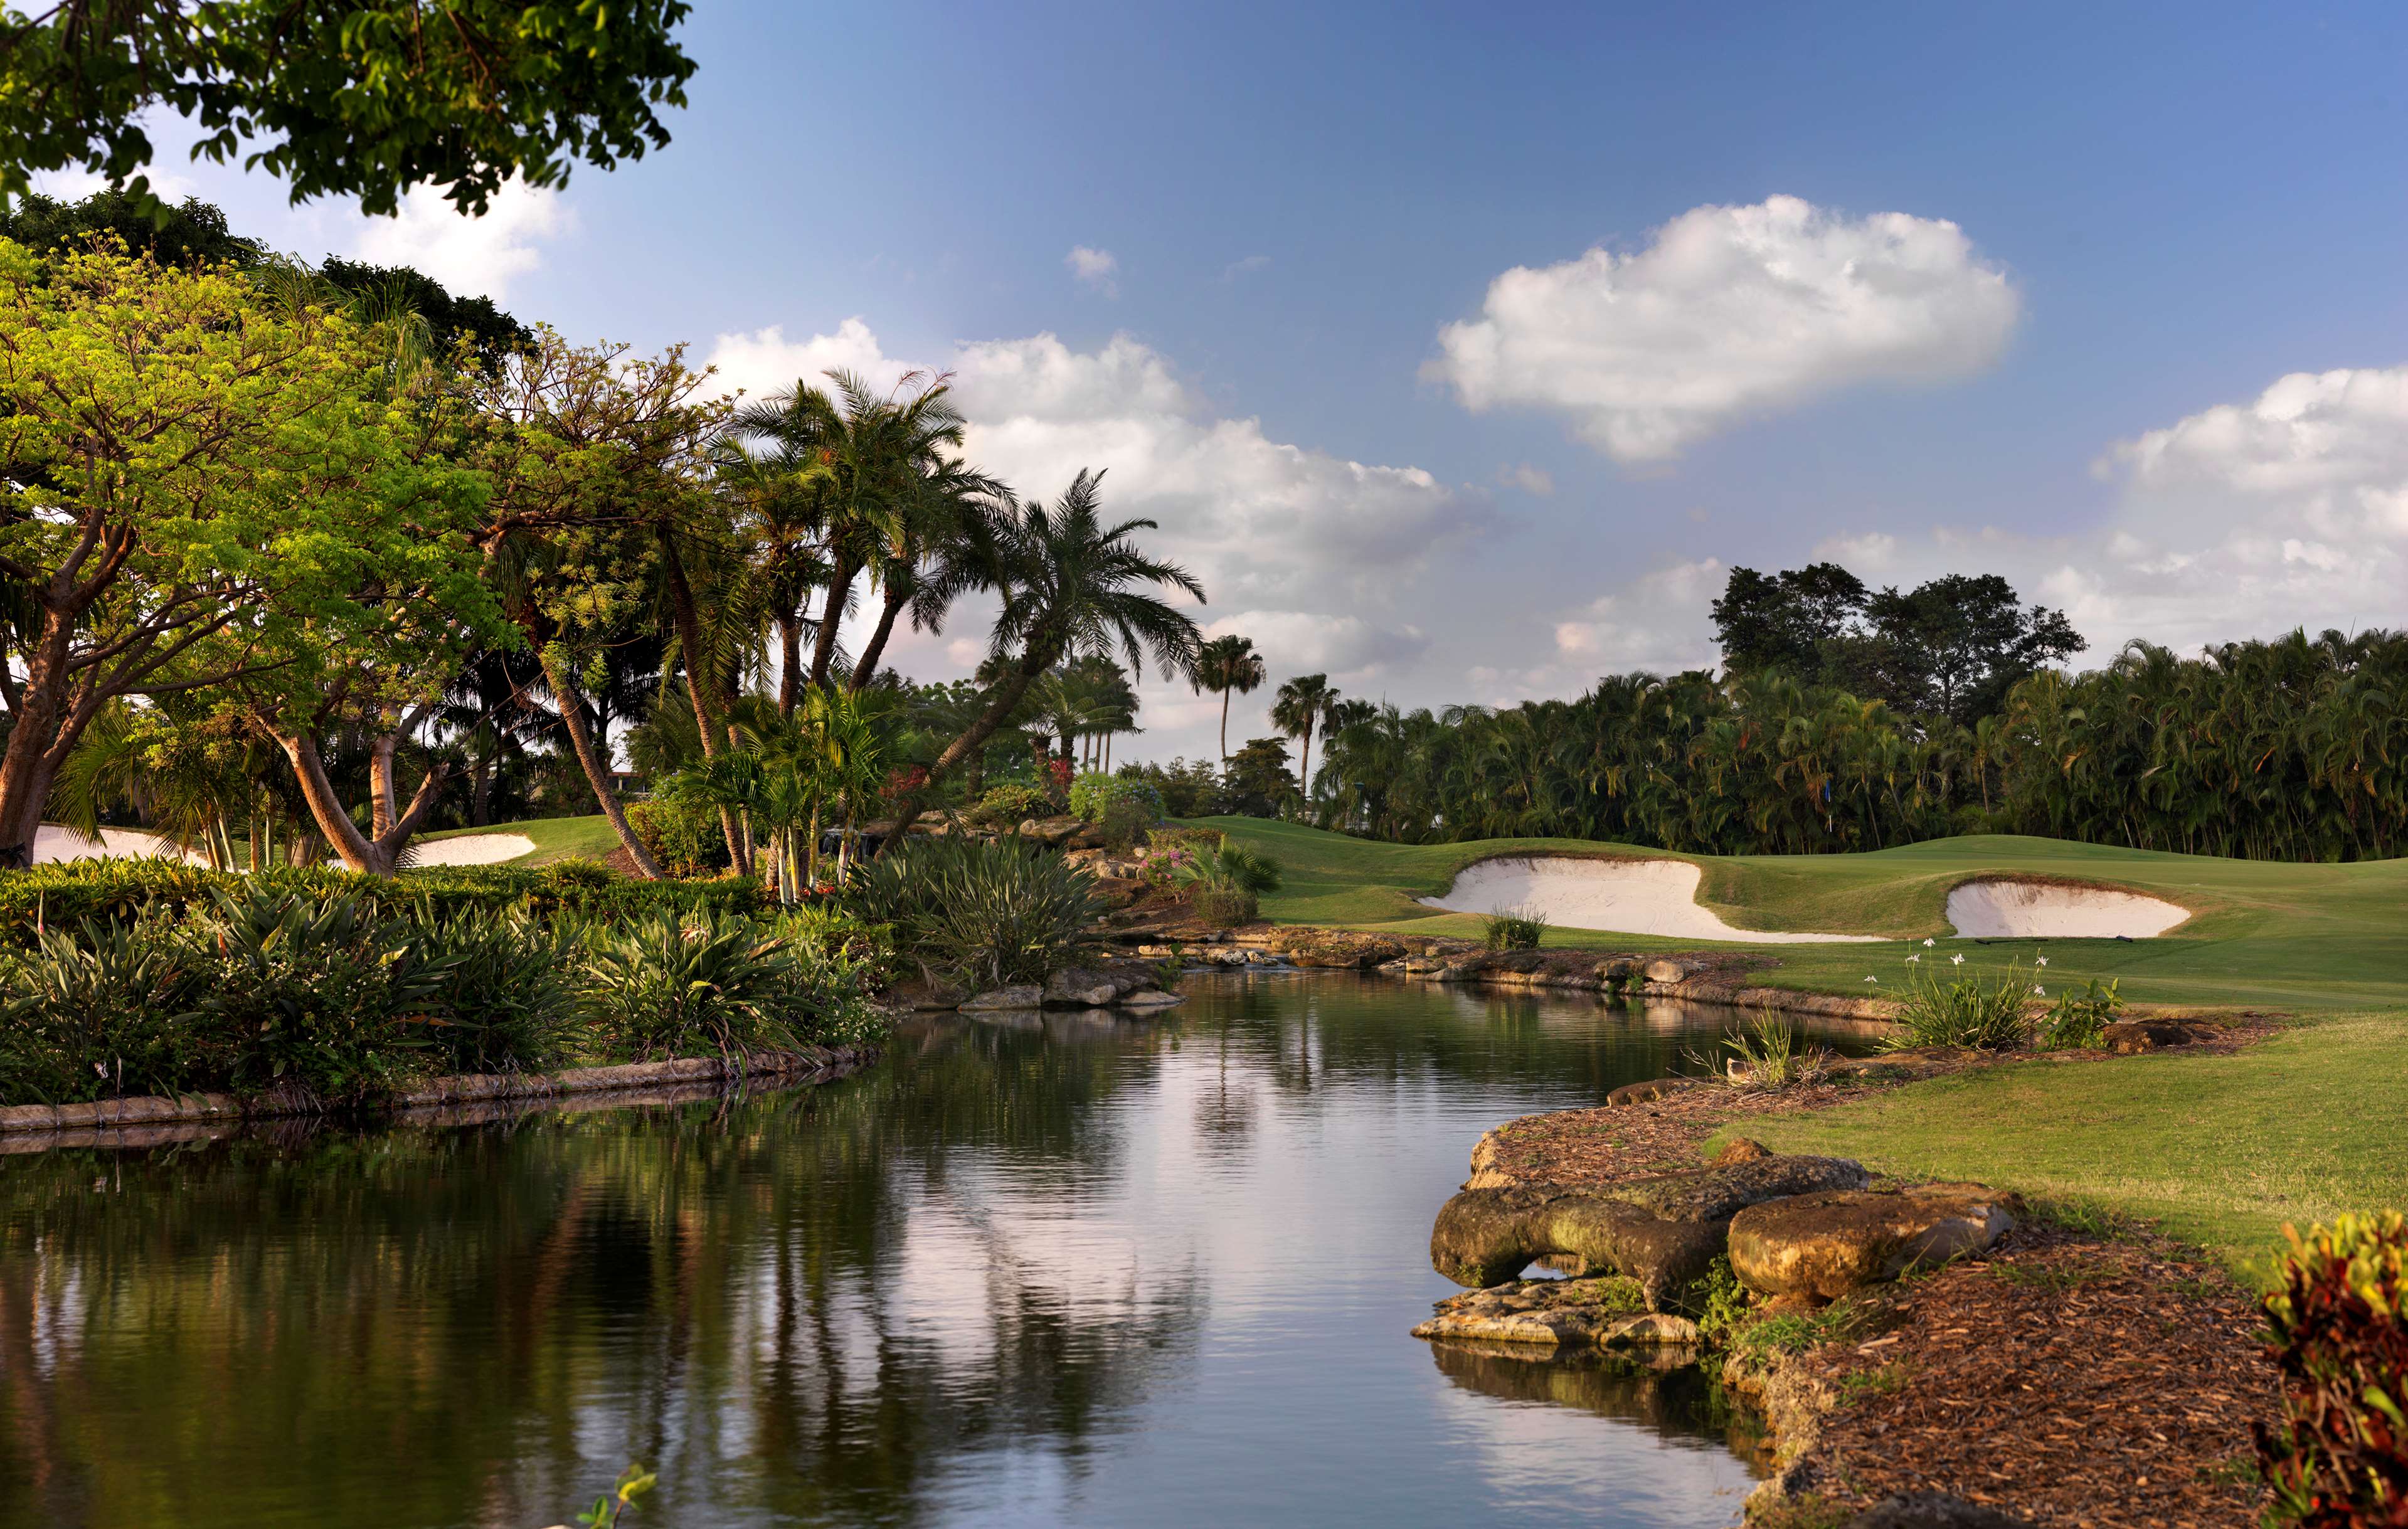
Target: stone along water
(1075, 1270)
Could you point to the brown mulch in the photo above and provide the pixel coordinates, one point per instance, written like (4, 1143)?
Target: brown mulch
(2069, 1379)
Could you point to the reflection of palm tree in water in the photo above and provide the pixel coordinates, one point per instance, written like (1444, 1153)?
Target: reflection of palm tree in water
(1224, 1124)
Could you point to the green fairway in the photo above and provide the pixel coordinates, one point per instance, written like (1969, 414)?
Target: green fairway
(2262, 934)
(2221, 1151)
(555, 838)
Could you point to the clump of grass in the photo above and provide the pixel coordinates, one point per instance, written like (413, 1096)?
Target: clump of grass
(1982, 1012)
(2079, 1021)
(1764, 1055)
(1513, 929)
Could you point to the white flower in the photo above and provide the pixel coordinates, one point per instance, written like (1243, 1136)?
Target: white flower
(1913, 959)
(1873, 978)
(1927, 944)
(2042, 960)
(1956, 960)
(2039, 992)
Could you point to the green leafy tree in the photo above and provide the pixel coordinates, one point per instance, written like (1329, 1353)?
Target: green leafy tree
(1225, 666)
(1258, 779)
(364, 98)
(193, 233)
(211, 487)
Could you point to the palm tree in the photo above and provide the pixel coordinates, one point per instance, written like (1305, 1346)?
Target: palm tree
(1302, 702)
(1226, 664)
(1071, 585)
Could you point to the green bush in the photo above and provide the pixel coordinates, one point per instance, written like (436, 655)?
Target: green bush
(1226, 908)
(1226, 884)
(1096, 794)
(2078, 1021)
(98, 1010)
(684, 836)
(1008, 805)
(1513, 929)
(1985, 1014)
(505, 1001)
(2340, 1320)
(987, 915)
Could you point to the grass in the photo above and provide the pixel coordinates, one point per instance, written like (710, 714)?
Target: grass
(555, 838)
(2218, 1151)
(2262, 934)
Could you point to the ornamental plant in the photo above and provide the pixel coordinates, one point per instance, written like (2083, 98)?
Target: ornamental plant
(2339, 1458)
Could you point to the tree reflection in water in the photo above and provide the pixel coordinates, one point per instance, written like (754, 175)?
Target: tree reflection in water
(991, 1264)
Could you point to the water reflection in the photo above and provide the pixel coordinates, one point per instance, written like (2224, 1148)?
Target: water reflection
(1062, 1269)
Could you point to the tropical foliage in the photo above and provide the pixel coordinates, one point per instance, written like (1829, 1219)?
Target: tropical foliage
(2338, 1459)
(986, 914)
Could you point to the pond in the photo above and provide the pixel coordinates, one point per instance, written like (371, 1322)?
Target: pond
(1077, 1270)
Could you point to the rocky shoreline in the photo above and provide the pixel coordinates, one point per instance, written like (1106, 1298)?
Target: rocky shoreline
(1900, 1341)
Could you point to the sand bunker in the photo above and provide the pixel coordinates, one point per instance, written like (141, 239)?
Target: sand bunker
(54, 844)
(2040, 910)
(471, 850)
(1620, 896)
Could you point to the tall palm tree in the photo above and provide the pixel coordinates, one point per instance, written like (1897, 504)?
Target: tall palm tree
(1223, 666)
(1071, 584)
(1301, 705)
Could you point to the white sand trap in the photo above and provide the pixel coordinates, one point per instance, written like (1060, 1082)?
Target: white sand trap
(2039, 911)
(1620, 896)
(54, 844)
(470, 850)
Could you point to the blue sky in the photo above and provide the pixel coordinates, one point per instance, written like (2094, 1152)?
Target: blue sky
(2159, 213)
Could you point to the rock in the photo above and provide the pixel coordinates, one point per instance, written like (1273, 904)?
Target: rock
(1653, 1089)
(2128, 1038)
(1029, 996)
(1088, 836)
(1933, 1510)
(1664, 970)
(925, 996)
(1151, 998)
(1661, 1231)
(1740, 1150)
(1551, 1312)
(1330, 949)
(1651, 1327)
(1079, 987)
(1825, 1245)
(1618, 969)
(1050, 831)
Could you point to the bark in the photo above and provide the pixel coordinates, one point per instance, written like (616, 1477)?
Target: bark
(31, 759)
(377, 856)
(1225, 729)
(840, 591)
(790, 661)
(689, 631)
(866, 667)
(598, 773)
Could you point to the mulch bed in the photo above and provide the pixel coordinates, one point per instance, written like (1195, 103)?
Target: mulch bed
(2065, 1379)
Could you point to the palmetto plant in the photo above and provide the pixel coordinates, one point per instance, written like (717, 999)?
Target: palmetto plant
(987, 915)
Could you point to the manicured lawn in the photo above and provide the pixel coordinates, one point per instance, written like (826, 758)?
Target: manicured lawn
(555, 838)
(2220, 1151)
(2262, 934)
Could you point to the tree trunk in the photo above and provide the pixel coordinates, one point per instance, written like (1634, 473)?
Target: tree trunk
(840, 591)
(790, 662)
(1225, 728)
(598, 773)
(32, 757)
(866, 666)
(377, 856)
(689, 631)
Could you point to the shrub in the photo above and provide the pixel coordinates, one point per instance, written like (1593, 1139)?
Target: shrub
(684, 835)
(988, 915)
(1513, 929)
(96, 1012)
(1095, 794)
(1983, 1013)
(1007, 805)
(1226, 908)
(1226, 883)
(1187, 789)
(1764, 1055)
(64, 895)
(300, 992)
(2079, 1021)
(665, 987)
(505, 1003)
(2339, 1321)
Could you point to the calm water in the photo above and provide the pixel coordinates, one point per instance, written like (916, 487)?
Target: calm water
(1092, 1272)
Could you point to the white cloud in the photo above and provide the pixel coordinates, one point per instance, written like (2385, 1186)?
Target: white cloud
(1871, 553)
(1730, 312)
(480, 255)
(1352, 650)
(1097, 268)
(1658, 621)
(766, 362)
(1528, 478)
(1247, 266)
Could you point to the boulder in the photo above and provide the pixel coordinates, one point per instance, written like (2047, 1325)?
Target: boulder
(924, 995)
(1653, 1089)
(1825, 1245)
(1027, 996)
(1662, 1230)
(2128, 1038)
(1086, 836)
(1151, 998)
(1664, 970)
(1329, 948)
(1079, 987)
(1617, 968)
(1649, 1327)
(1547, 1312)
(1933, 1510)
(1052, 831)
(1740, 1150)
